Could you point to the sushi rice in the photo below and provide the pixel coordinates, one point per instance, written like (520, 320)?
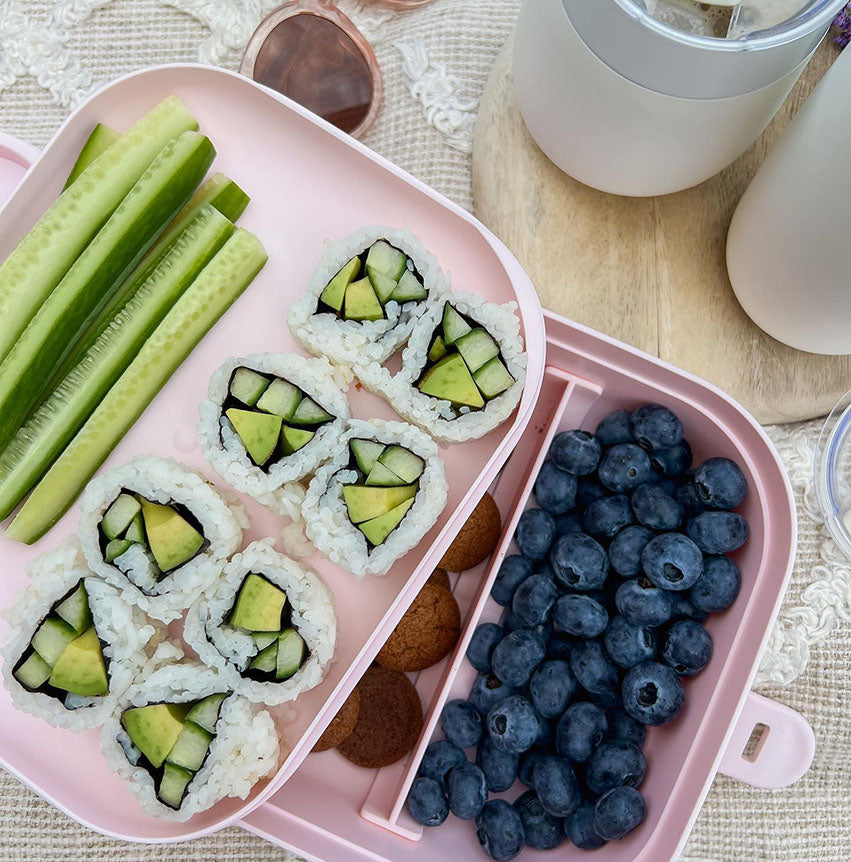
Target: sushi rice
(127, 636)
(326, 517)
(347, 342)
(244, 750)
(229, 650)
(276, 489)
(161, 480)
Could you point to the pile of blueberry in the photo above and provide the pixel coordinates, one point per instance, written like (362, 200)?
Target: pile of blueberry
(605, 605)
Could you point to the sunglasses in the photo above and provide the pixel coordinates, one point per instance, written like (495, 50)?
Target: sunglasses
(311, 52)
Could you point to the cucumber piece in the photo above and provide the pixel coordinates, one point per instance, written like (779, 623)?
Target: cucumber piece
(385, 258)
(51, 639)
(383, 286)
(366, 453)
(41, 259)
(476, 348)
(205, 713)
(281, 398)
(173, 785)
(75, 609)
(46, 433)
(309, 412)
(263, 639)
(34, 672)
(266, 660)
(403, 463)
(493, 378)
(409, 288)
(291, 652)
(101, 138)
(95, 275)
(247, 386)
(115, 549)
(118, 516)
(383, 477)
(224, 278)
(454, 326)
(136, 531)
(293, 439)
(191, 747)
(437, 350)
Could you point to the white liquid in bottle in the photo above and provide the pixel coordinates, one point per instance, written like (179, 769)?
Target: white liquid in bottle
(723, 20)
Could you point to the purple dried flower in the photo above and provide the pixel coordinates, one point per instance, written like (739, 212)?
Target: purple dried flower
(843, 27)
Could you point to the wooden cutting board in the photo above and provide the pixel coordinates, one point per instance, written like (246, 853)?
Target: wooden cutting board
(650, 271)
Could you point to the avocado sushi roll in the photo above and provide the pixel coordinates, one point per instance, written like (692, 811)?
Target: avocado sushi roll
(269, 420)
(158, 532)
(267, 626)
(74, 645)
(365, 296)
(463, 369)
(184, 741)
(380, 493)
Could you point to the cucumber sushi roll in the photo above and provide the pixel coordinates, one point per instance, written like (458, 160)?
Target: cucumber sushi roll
(269, 420)
(365, 296)
(380, 493)
(267, 626)
(158, 532)
(463, 369)
(74, 645)
(184, 741)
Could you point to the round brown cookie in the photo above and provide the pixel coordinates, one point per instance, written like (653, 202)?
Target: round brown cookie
(426, 634)
(390, 720)
(439, 578)
(477, 539)
(342, 724)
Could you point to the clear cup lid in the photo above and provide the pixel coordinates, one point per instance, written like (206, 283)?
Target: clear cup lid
(833, 473)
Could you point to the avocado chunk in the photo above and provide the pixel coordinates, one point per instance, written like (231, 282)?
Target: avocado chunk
(136, 531)
(75, 609)
(52, 638)
(257, 431)
(116, 548)
(293, 439)
(403, 463)
(259, 605)
(477, 347)
(365, 503)
(409, 288)
(247, 386)
(81, 668)
(386, 259)
(205, 713)
(383, 476)
(309, 412)
(454, 326)
(118, 516)
(173, 785)
(33, 672)
(291, 652)
(437, 350)
(267, 659)
(281, 398)
(172, 539)
(335, 292)
(378, 529)
(191, 747)
(493, 378)
(450, 380)
(383, 285)
(366, 453)
(362, 302)
(154, 729)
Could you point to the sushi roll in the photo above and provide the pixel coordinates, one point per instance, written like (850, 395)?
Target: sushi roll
(380, 493)
(365, 296)
(463, 369)
(268, 626)
(184, 741)
(74, 646)
(158, 532)
(269, 420)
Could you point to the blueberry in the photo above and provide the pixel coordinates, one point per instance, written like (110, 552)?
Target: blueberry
(718, 532)
(643, 603)
(543, 831)
(551, 688)
(594, 672)
(427, 802)
(687, 497)
(581, 729)
(535, 532)
(720, 484)
(526, 770)
(624, 726)
(513, 571)
(556, 785)
(517, 655)
(618, 812)
(614, 764)
(672, 562)
(481, 646)
(559, 647)
(655, 427)
(440, 758)
(655, 507)
(571, 523)
(513, 724)
(683, 608)
(672, 461)
(628, 644)
(580, 615)
(580, 828)
(606, 517)
(687, 648)
(614, 429)
(489, 690)
(589, 490)
(652, 693)
(461, 723)
(718, 586)
(625, 549)
(624, 467)
(500, 830)
(533, 600)
(577, 452)
(555, 489)
(579, 562)
(467, 791)
(499, 767)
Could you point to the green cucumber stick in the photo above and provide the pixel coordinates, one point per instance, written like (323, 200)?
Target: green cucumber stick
(101, 138)
(41, 439)
(46, 253)
(74, 303)
(220, 283)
